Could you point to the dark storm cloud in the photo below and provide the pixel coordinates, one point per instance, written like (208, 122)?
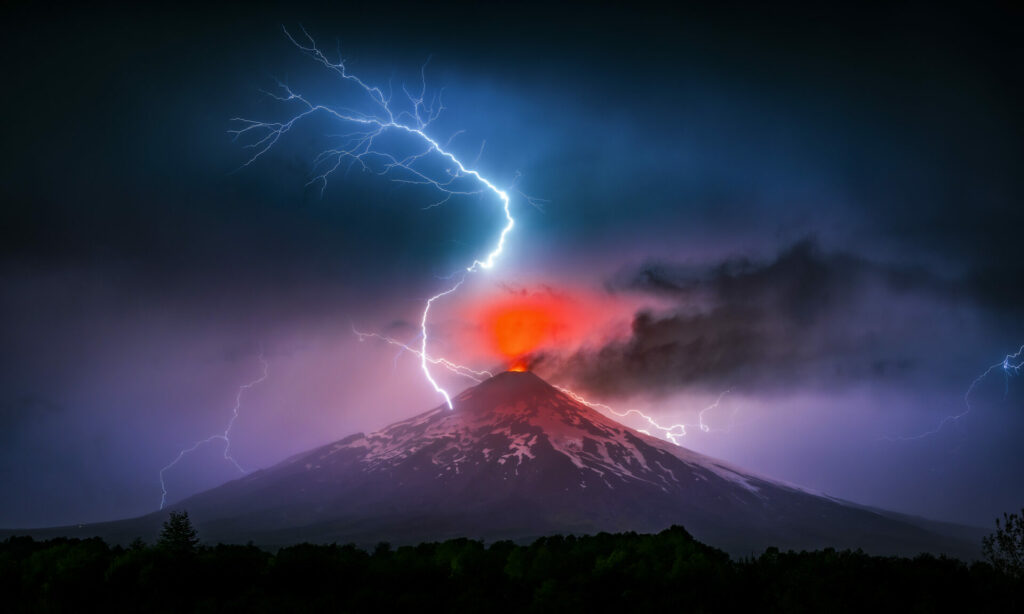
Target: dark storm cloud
(807, 318)
(804, 280)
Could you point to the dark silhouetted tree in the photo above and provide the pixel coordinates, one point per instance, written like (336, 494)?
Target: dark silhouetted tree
(178, 534)
(1005, 548)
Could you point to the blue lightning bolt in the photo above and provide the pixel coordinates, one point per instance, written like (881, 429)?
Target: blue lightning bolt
(359, 146)
(225, 436)
(1011, 365)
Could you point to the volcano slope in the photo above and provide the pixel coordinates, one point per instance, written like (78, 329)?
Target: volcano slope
(517, 459)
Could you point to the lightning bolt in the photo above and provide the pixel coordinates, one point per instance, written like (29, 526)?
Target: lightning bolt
(1011, 365)
(457, 369)
(705, 427)
(670, 432)
(225, 436)
(360, 146)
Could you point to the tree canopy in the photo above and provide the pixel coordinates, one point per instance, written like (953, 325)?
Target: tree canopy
(627, 572)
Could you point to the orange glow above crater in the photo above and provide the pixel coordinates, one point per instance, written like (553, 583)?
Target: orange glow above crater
(517, 324)
(516, 327)
(517, 330)
(533, 327)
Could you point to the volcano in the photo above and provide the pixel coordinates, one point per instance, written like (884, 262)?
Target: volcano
(518, 459)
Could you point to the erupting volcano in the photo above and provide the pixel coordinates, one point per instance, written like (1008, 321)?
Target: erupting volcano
(517, 459)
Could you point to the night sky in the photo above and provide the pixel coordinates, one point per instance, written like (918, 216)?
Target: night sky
(817, 212)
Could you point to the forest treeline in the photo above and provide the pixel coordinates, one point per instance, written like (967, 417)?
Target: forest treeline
(624, 572)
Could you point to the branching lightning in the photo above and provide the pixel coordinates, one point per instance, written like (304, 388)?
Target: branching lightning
(360, 146)
(473, 374)
(225, 436)
(670, 432)
(1011, 365)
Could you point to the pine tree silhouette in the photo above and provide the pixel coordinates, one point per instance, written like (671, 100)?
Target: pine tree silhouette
(178, 534)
